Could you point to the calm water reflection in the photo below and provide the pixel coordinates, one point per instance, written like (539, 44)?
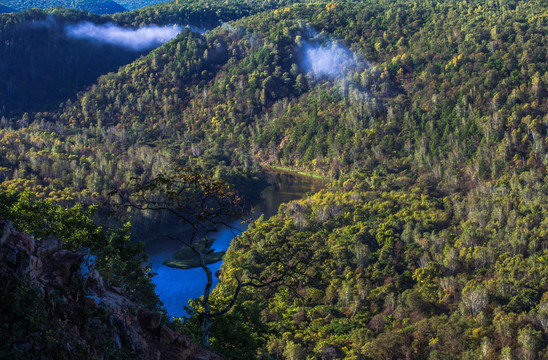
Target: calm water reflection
(175, 286)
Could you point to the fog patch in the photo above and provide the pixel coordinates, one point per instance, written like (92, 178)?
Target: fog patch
(332, 60)
(324, 57)
(135, 39)
(195, 29)
(228, 27)
(48, 23)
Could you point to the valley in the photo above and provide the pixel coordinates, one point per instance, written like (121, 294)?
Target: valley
(428, 118)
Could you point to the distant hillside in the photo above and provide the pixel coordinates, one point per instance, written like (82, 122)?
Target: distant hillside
(220, 9)
(41, 67)
(200, 13)
(242, 95)
(136, 4)
(92, 6)
(100, 7)
(60, 67)
(221, 6)
(5, 9)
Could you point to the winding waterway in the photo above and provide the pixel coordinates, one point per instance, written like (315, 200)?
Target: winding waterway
(175, 286)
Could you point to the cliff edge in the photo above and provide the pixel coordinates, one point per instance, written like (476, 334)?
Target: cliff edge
(54, 304)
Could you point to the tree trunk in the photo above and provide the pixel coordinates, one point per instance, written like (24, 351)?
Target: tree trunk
(205, 327)
(205, 319)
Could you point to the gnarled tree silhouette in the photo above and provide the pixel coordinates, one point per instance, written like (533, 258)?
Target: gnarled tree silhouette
(198, 200)
(203, 204)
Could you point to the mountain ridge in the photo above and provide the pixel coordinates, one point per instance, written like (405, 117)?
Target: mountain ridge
(92, 6)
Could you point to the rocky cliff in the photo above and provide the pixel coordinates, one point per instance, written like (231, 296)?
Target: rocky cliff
(54, 304)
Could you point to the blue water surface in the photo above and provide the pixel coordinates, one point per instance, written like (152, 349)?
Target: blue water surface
(176, 286)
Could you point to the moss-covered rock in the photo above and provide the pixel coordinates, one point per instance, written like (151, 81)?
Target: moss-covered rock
(187, 258)
(195, 261)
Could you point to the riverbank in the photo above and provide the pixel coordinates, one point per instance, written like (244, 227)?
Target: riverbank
(283, 186)
(296, 171)
(175, 286)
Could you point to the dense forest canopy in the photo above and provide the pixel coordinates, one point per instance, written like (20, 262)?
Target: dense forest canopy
(92, 6)
(42, 66)
(425, 93)
(430, 116)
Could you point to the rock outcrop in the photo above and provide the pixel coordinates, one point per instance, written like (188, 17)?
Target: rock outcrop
(73, 312)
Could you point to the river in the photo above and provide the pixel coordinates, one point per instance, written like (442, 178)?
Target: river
(175, 286)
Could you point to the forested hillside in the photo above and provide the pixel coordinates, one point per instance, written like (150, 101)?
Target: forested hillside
(419, 92)
(382, 270)
(92, 6)
(41, 66)
(203, 14)
(5, 9)
(435, 246)
(430, 116)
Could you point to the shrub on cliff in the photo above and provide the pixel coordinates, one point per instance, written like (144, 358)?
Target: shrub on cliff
(119, 261)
